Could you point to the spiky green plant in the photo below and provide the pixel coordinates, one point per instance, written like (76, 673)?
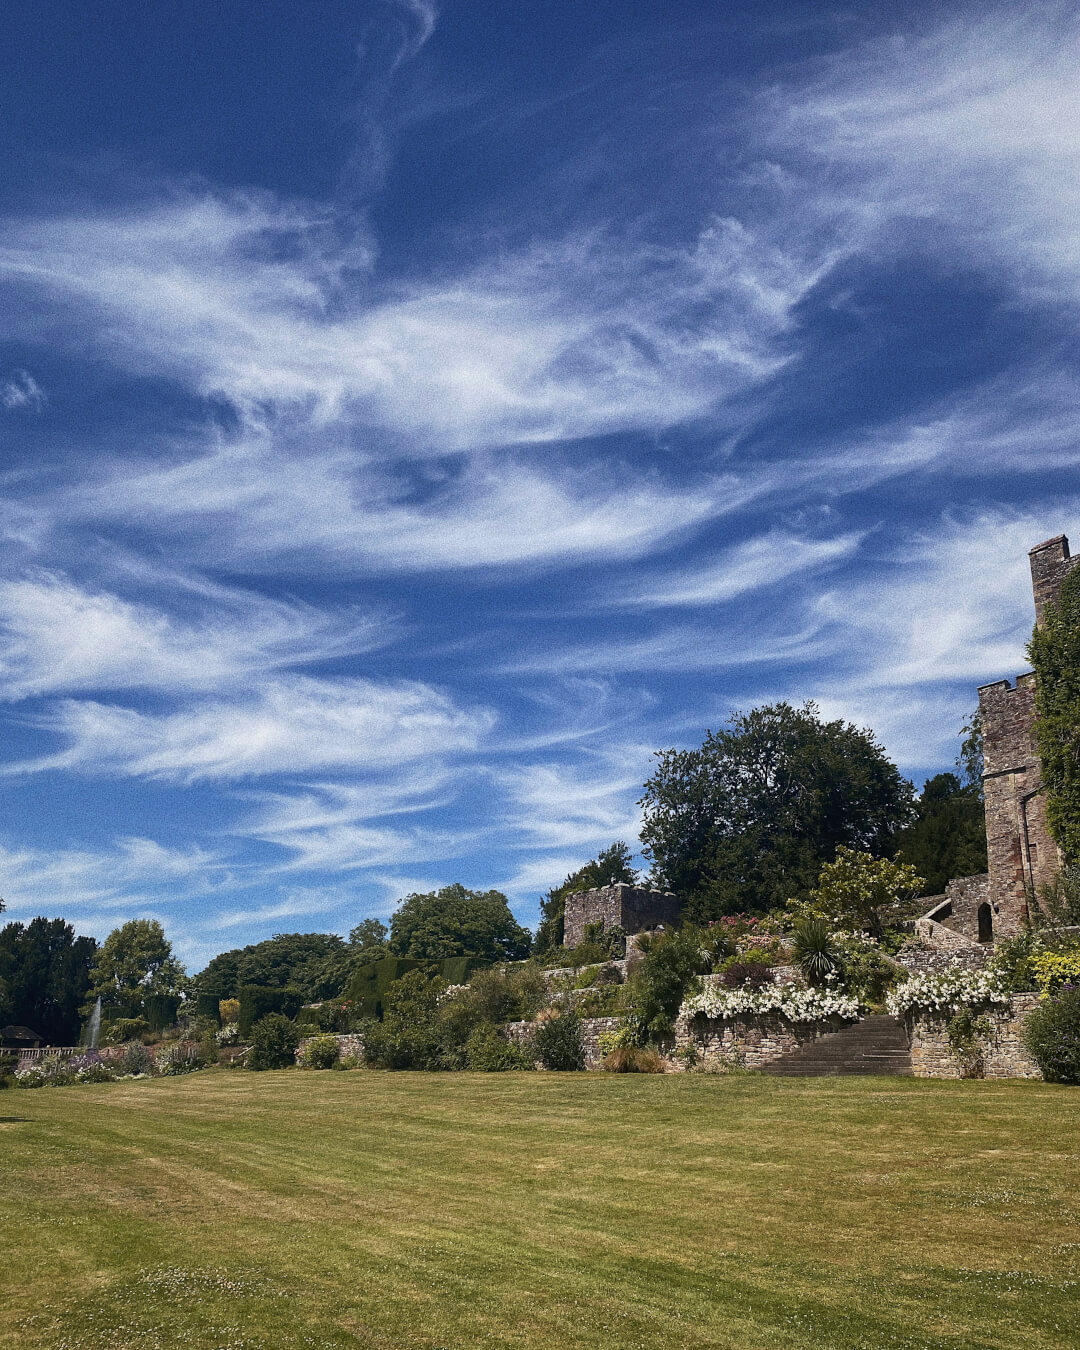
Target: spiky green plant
(816, 952)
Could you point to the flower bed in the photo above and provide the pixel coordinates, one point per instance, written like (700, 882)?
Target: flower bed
(947, 991)
(796, 1005)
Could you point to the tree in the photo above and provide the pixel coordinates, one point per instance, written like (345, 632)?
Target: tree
(135, 960)
(314, 963)
(855, 890)
(948, 836)
(610, 865)
(458, 922)
(45, 975)
(369, 938)
(1054, 652)
(747, 820)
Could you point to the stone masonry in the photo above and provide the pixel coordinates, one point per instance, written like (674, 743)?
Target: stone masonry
(1000, 1053)
(632, 908)
(1021, 853)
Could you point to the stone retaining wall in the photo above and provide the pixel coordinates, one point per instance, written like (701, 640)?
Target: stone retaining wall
(751, 1039)
(591, 1027)
(349, 1043)
(1001, 1053)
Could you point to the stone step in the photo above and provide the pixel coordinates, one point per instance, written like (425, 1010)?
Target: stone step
(873, 1045)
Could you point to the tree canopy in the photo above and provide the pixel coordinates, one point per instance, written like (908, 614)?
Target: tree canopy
(455, 921)
(610, 864)
(316, 964)
(948, 836)
(1054, 652)
(745, 822)
(135, 960)
(44, 977)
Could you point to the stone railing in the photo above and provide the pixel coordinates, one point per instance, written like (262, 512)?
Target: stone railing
(998, 1054)
(937, 935)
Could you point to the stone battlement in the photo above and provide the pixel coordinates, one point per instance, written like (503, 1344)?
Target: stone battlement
(632, 908)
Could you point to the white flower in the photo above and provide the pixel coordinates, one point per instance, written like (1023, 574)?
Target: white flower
(946, 991)
(797, 1005)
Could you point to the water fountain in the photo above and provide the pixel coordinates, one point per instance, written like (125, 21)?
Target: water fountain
(93, 1027)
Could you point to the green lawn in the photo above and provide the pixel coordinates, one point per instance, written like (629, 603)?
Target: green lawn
(281, 1210)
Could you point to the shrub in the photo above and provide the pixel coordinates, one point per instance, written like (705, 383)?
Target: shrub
(7, 1069)
(743, 972)
(815, 949)
(864, 971)
(274, 1039)
(557, 1041)
(257, 1001)
(633, 1059)
(126, 1029)
(489, 1052)
(666, 975)
(321, 1052)
(229, 1010)
(412, 1034)
(965, 1032)
(1012, 960)
(1052, 970)
(136, 1060)
(1052, 1034)
(173, 1060)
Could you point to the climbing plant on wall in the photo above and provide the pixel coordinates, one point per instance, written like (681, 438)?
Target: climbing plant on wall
(1054, 652)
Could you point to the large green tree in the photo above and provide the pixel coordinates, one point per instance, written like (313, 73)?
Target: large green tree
(1054, 652)
(455, 921)
(135, 960)
(314, 963)
(745, 822)
(610, 865)
(948, 836)
(45, 977)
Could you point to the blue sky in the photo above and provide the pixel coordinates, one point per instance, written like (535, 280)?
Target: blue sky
(412, 416)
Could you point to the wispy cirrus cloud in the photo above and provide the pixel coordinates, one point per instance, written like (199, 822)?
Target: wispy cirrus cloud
(21, 390)
(290, 724)
(60, 636)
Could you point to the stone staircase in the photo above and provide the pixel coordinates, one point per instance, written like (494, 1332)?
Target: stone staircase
(874, 1045)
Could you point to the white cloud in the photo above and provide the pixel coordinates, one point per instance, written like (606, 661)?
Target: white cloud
(288, 724)
(47, 881)
(250, 503)
(21, 390)
(58, 635)
(975, 123)
(568, 339)
(756, 564)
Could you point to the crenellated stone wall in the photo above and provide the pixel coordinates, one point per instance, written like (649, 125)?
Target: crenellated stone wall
(633, 908)
(1001, 1053)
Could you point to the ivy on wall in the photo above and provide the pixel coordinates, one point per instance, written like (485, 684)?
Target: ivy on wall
(1054, 652)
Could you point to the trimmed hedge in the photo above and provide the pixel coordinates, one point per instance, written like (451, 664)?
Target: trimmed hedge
(207, 1005)
(258, 1001)
(160, 1010)
(369, 985)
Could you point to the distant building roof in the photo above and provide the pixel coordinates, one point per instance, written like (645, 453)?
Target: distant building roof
(14, 1033)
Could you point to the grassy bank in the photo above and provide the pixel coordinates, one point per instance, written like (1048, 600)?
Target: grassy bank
(366, 1209)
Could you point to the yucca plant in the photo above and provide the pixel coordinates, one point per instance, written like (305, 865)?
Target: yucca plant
(816, 952)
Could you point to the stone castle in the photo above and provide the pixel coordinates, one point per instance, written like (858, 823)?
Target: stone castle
(1021, 853)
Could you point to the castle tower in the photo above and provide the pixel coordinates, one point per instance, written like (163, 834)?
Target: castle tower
(1021, 852)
